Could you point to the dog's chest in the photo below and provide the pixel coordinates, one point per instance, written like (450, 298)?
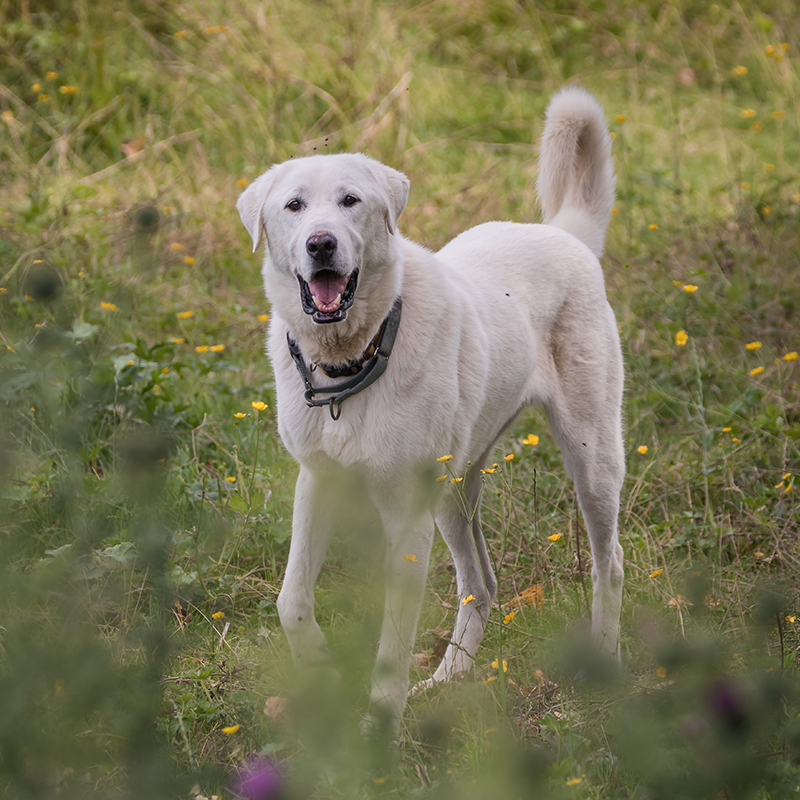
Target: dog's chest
(312, 435)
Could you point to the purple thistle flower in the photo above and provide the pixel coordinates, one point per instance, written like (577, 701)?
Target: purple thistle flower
(259, 779)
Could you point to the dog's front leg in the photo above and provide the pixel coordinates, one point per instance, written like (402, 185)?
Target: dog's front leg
(408, 547)
(311, 532)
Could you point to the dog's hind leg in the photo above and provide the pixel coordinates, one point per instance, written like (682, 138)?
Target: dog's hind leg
(312, 526)
(460, 525)
(585, 415)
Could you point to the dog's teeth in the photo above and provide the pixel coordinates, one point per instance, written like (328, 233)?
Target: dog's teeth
(327, 307)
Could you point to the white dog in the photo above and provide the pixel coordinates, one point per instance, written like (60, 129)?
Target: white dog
(388, 356)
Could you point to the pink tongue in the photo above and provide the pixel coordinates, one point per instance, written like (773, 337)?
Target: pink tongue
(327, 285)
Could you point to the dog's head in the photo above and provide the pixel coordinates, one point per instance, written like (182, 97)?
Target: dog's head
(327, 220)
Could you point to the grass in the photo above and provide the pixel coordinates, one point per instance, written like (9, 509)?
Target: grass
(144, 526)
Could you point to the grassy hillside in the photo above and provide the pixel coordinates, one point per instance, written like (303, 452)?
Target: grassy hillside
(146, 502)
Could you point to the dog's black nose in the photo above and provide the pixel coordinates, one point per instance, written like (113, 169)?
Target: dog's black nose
(321, 246)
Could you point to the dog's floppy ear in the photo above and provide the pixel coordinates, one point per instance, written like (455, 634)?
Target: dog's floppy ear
(251, 206)
(397, 186)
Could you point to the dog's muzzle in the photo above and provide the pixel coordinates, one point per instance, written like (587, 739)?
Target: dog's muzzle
(328, 295)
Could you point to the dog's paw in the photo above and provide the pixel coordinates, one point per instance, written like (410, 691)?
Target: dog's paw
(439, 679)
(380, 725)
(423, 686)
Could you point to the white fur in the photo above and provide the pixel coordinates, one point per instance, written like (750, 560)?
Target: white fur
(504, 316)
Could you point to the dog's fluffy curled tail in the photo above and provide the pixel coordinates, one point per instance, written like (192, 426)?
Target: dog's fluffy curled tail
(576, 173)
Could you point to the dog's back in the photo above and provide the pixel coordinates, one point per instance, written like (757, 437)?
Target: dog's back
(576, 173)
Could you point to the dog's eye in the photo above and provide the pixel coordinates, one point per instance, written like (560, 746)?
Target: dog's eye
(294, 205)
(350, 200)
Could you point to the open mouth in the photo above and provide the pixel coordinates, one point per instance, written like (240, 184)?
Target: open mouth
(327, 297)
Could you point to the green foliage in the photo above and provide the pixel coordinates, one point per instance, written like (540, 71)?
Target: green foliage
(145, 504)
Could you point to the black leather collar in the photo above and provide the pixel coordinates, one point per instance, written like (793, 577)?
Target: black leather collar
(358, 374)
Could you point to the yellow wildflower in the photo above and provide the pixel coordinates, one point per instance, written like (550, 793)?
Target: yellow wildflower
(656, 573)
(690, 288)
(180, 34)
(621, 118)
(778, 114)
(653, 226)
(468, 599)
(176, 246)
(442, 459)
(441, 478)
(410, 558)
(748, 113)
(753, 346)
(218, 615)
(258, 405)
(681, 337)
(509, 617)
(184, 314)
(661, 672)
(51, 76)
(230, 730)
(531, 439)
(67, 89)
(793, 356)
(456, 480)
(574, 781)
(769, 167)
(756, 370)
(240, 415)
(177, 340)
(189, 260)
(202, 348)
(791, 618)
(230, 479)
(727, 430)
(109, 307)
(263, 317)
(509, 457)
(554, 537)
(242, 182)
(740, 71)
(488, 471)
(496, 665)
(642, 449)
(37, 87)
(217, 348)
(787, 475)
